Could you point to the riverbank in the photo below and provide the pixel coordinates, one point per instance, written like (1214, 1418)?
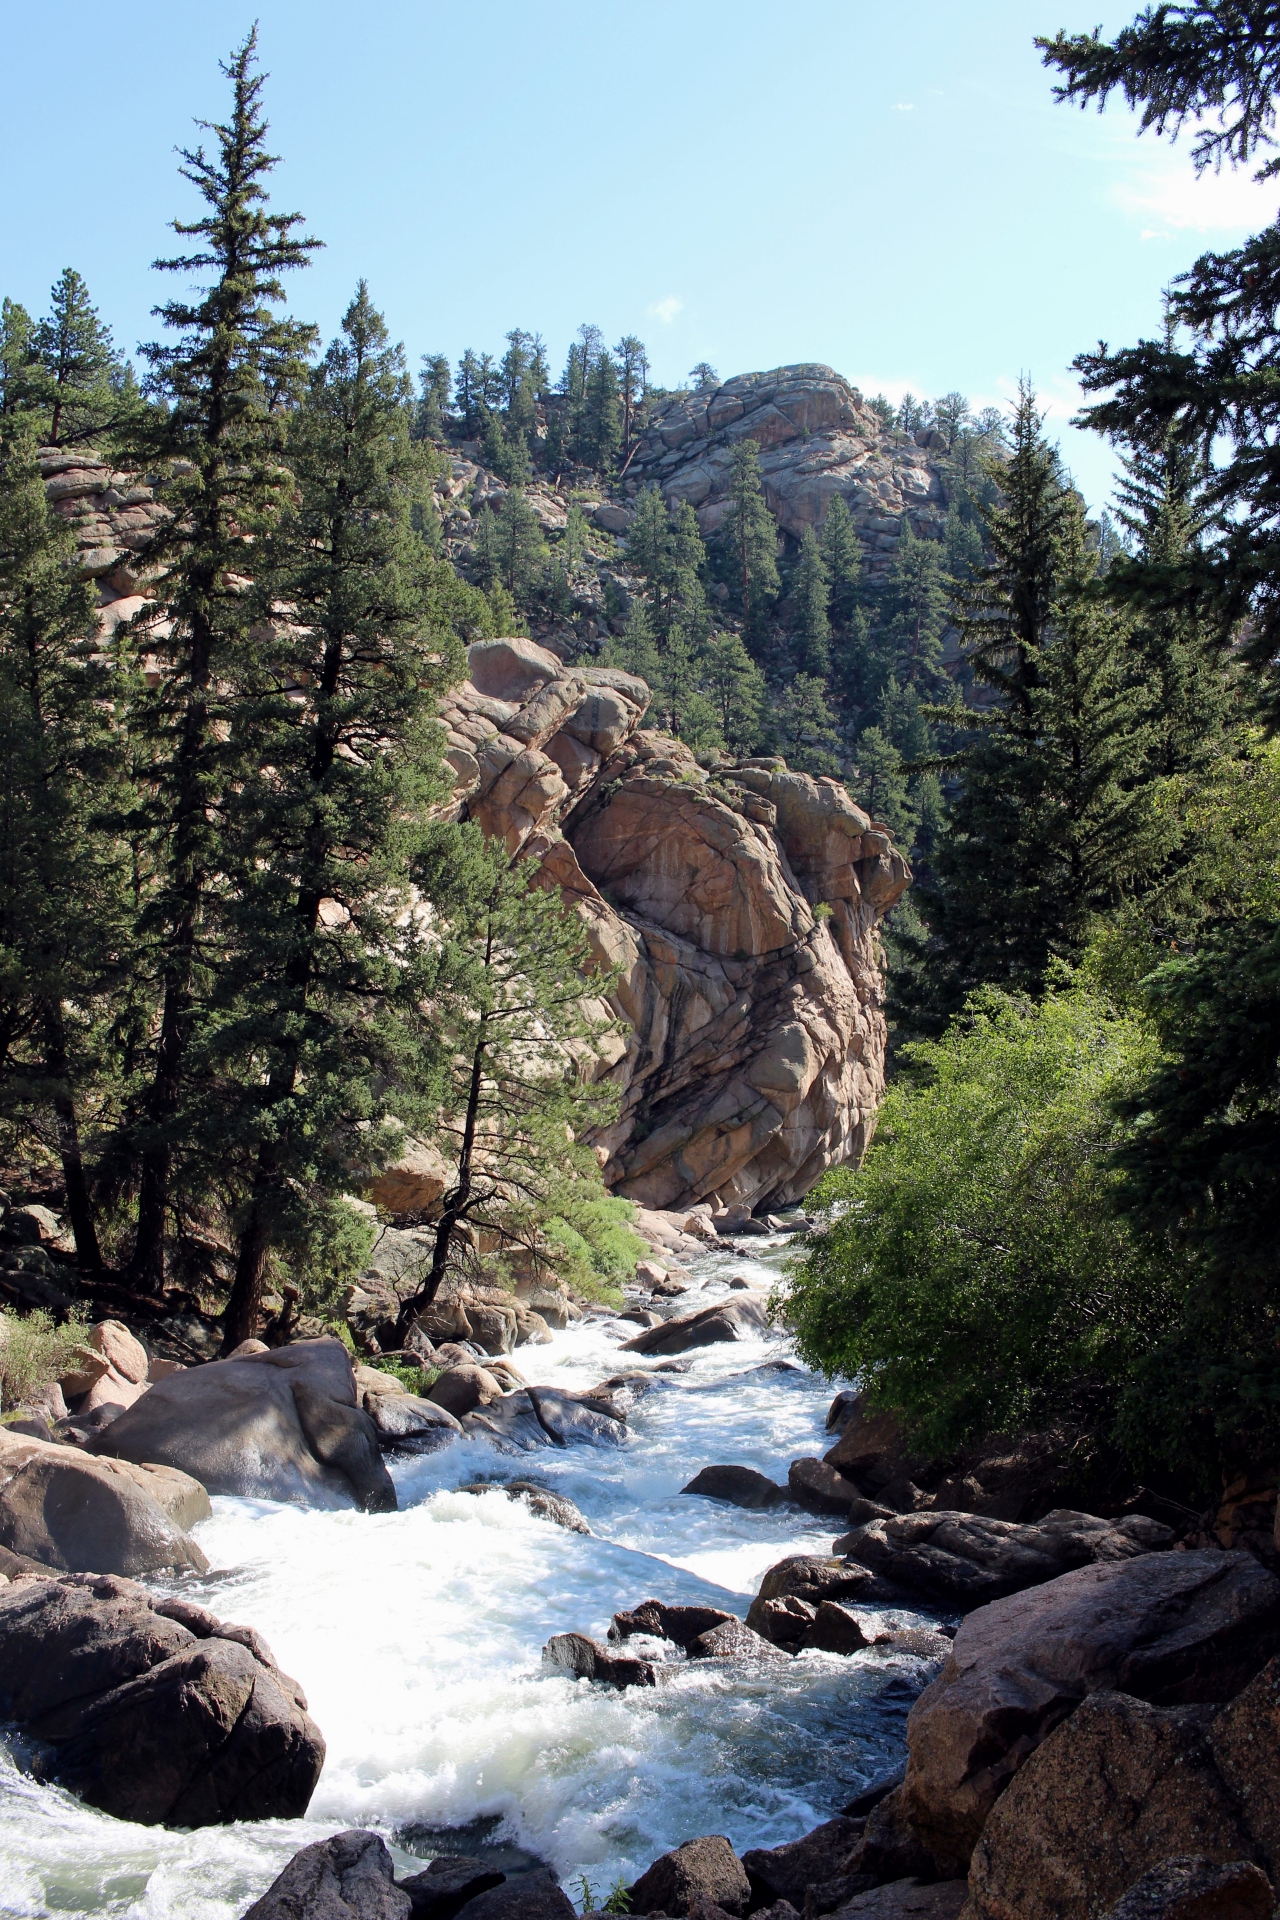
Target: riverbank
(418, 1638)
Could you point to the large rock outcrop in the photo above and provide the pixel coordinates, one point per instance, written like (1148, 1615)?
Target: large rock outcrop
(279, 1425)
(818, 438)
(154, 1710)
(739, 906)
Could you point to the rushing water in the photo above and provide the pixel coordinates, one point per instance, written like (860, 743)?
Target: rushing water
(417, 1636)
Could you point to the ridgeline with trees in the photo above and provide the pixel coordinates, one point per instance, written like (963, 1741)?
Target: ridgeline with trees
(242, 955)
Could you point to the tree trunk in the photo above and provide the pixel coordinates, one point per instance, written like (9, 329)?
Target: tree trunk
(456, 1202)
(244, 1308)
(79, 1206)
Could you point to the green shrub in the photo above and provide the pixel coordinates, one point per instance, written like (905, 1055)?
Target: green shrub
(973, 1271)
(419, 1380)
(593, 1245)
(34, 1353)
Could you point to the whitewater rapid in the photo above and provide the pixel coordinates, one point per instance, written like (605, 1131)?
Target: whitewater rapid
(417, 1637)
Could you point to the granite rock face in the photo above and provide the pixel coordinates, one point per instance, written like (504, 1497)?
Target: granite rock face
(818, 438)
(755, 1053)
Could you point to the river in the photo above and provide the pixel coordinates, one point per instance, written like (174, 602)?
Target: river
(417, 1637)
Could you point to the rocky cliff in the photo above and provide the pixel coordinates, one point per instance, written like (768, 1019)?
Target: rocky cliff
(740, 906)
(817, 437)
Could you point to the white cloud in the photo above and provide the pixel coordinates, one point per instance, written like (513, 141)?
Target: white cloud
(1226, 202)
(904, 106)
(665, 310)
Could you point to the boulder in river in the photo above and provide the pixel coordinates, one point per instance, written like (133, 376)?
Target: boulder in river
(909, 1899)
(731, 1640)
(280, 1425)
(465, 1387)
(406, 1423)
(154, 1710)
(541, 1501)
(1194, 1888)
(821, 1488)
(582, 1658)
(1167, 1628)
(965, 1559)
(706, 1867)
(682, 1625)
(1113, 1792)
(709, 1327)
(739, 1486)
(844, 1630)
(793, 1589)
(447, 1884)
(817, 1865)
(529, 1896)
(91, 1516)
(350, 1877)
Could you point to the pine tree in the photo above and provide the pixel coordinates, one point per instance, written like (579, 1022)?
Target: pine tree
(601, 431)
(842, 557)
(812, 592)
(805, 727)
(519, 1009)
(633, 373)
(879, 784)
(668, 550)
(65, 902)
(749, 543)
(509, 549)
(434, 383)
(19, 363)
(318, 1035)
(468, 393)
(219, 430)
(704, 377)
(1054, 823)
(913, 614)
(79, 365)
(736, 687)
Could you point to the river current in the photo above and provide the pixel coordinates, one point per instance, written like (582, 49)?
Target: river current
(417, 1637)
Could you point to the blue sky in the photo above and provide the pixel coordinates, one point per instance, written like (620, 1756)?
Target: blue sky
(890, 190)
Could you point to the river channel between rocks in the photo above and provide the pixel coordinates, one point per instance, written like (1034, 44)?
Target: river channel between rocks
(418, 1635)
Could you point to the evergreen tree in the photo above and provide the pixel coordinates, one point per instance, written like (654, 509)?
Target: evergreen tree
(80, 368)
(842, 557)
(509, 548)
(601, 431)
(667, 549)
(749, 543)
(884, 408)
(65, 909)
(519, 1008)
(434, 382)
(633, 372)
(319, 1035)
(812, 592)
(506, 451)
(220, 433)
(1055, 822)
(704, 377)
(913, 613)
(735, 686)
(19, 362)
(879, 784)
(805, 727)
(468, 393)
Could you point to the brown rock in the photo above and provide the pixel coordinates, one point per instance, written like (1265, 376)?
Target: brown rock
(682, 1625)
(820, 1487)
(1117, 1789)
(820, 1860)
(739, 1486)
(792, 1591)
(587, 1659)
(1168, 1628)
(709, 1327)
(349, 1877)
(530, 1896)
(733, 1641)
(1197, 1889)
(150, 1718)
(708, 1867)
(965, 1560)
(1245, 1738)
(78, 1516)
(908, 1900)
(464, 1388)
(447, 1884)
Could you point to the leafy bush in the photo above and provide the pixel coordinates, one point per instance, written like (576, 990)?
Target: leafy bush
(419, 1380)
(34, 1353)
(973, 1270)
(593, 1245)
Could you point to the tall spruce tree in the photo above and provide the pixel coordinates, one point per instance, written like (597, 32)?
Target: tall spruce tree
(805, 728)
(80, 370)
(218, 436)
(913, 614)
(812, 591)
(433, 403)
(65, 895)
(319, 1038)
(19, 362)
(842, 556)
(509, 548)
(601, 429)
(1054, 823)
(749, 544)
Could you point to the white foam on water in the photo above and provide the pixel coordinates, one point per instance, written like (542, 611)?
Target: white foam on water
(417, 1636)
